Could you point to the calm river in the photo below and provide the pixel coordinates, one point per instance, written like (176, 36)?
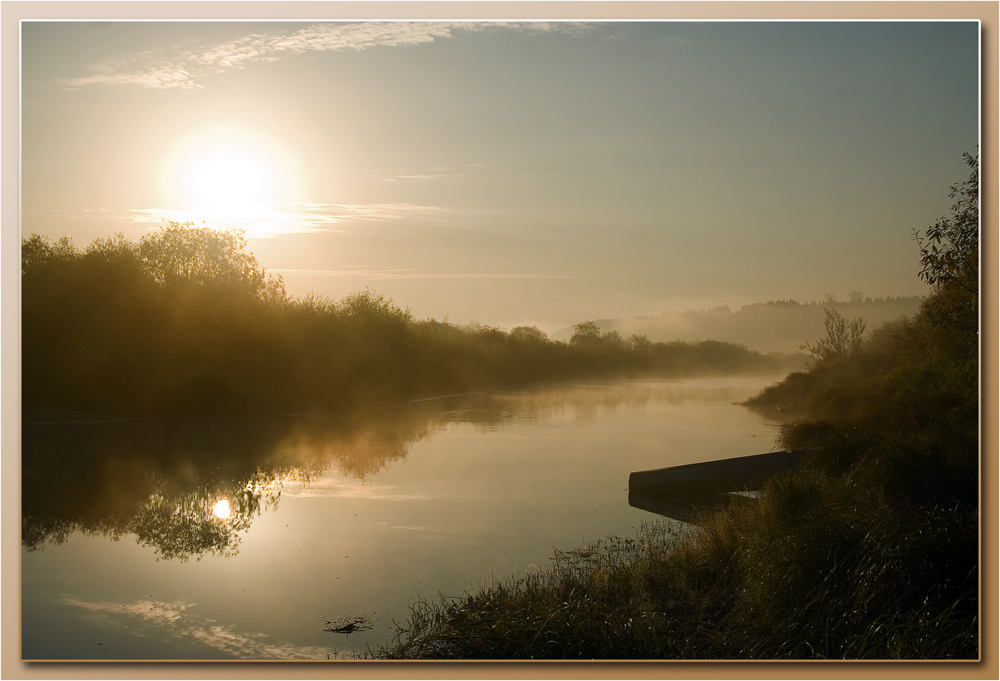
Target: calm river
(129, 554)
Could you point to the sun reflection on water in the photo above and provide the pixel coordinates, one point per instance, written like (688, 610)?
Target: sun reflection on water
(221, 509)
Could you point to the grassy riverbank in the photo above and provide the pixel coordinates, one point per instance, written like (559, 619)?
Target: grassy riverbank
(825, 578)
(823, 566)
(869, 549)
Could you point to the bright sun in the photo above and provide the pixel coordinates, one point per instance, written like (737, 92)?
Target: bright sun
(229, 177)
(226, 170)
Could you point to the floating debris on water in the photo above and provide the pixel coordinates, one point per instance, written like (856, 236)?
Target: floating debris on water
(348, 624)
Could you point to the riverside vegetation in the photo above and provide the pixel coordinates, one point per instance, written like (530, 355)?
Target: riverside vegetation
(185, 321)
(869, 549)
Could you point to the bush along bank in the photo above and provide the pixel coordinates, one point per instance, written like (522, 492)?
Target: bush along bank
(185, 321)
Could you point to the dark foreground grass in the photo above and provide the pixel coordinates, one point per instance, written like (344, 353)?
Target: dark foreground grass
(817, 568)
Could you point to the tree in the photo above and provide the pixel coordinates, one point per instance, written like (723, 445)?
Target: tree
(373, 309)
(843, 339)
(585, 332)
(183, 255)
(949, 259)
(639, 343)
(528, 335)
(949, 251)
(37, 253)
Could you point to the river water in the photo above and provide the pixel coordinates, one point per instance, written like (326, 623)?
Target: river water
(128, 553)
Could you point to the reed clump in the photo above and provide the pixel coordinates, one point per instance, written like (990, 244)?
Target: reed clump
(817, 569)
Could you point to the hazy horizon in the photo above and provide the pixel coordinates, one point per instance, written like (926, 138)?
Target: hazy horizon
(513, 173)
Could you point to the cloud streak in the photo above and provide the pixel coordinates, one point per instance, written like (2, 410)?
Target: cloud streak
(155, 612)
(409, 274)
(402, 177)
(186, 69)
(253, 646)
(264, 221)
(292, 218)
(338, 487)
(174, 620)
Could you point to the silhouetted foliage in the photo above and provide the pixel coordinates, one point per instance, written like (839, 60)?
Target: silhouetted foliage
(186, 321)
(842, 340)
(584, 333)
(949, 258)
(179, 255)
(949, 251)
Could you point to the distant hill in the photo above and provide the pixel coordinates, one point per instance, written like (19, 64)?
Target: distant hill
(774, 326)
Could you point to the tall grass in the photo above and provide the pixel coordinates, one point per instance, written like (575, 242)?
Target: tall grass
(817, 567)
(815, 571)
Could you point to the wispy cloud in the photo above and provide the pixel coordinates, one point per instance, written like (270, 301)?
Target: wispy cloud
(403, 273)
(412, 528)
(270, 221)
(254, 646)
(174, 619)
(340, 487)
(293, 218)
(145, 69)
(339, 213)
(403, 177)
(264, 221)
(185, 69)
(156, 612)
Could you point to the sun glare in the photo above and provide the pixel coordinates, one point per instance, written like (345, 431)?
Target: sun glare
(221, 509)
(229, 168)
(229, 177)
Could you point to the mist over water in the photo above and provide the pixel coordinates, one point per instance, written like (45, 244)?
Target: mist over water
(123, 544)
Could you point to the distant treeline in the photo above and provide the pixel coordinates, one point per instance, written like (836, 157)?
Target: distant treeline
(186, 321)
(774, 326)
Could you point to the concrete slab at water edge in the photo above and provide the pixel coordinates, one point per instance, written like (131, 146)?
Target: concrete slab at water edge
(725, 475)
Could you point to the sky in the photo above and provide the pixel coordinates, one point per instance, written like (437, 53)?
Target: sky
(512, 173)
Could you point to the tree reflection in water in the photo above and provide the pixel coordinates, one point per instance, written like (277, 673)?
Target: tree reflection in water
(158, 482)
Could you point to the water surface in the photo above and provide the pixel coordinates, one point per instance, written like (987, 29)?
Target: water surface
(125, 555)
